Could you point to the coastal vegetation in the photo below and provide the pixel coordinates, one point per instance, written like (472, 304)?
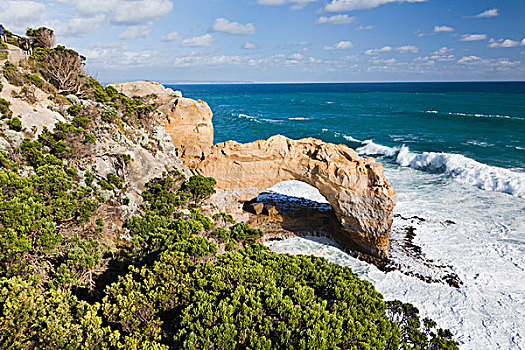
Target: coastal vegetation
(170, 277)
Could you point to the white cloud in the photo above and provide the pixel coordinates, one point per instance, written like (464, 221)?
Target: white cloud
(126, 11)
(469, 59)
(400, 49)
(294, 4)
(350, 5)
(18, 15)
(335, 19)
(441, 29)
(173, 36)
(199, 41)
(506, 43)
(249, 46)
(487, 14)
(443, 51)
(138, 31)
(342, 45)
(407, 49)
(378, 51)
(362, 27)
(236, 28)
(473, 37)
(79, 25)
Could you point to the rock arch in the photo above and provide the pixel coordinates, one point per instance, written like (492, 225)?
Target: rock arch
(362, 199)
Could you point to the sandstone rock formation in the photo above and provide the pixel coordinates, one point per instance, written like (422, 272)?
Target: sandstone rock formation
(360, 195)
(188, 121)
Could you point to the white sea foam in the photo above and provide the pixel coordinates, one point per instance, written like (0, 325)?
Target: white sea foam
(298, 118)
(476, 115)
(485, 248)
(351, 139)
(457, 166)
(372, 148)
(256, 119)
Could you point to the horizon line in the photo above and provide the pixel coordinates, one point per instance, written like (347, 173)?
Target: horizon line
(335, 82)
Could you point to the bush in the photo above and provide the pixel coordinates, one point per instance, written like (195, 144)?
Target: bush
(34, 79)
(4, 108)
(200, 187)
(15, 124)
(74, 110)
(12, 75)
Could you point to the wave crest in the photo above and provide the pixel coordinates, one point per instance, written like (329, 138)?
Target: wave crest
(457, 166)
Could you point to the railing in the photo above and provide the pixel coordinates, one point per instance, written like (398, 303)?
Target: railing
(22, 54)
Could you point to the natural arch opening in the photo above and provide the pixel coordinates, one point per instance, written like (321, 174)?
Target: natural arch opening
(292, 208)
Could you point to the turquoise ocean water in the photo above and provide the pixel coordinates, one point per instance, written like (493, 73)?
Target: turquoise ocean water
(453, 151)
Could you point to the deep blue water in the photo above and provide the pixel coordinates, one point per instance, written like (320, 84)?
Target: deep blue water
(483, 121)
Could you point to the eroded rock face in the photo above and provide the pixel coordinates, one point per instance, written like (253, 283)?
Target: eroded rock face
(356, 187)
(188, 121)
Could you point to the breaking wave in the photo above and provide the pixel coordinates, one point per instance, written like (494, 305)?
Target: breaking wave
(457, 166)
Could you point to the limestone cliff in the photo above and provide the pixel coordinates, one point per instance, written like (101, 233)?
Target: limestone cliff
(188, 121)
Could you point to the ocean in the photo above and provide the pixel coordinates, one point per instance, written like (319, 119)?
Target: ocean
(454, 152)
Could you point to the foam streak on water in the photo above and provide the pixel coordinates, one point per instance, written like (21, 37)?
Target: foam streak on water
(485, 247)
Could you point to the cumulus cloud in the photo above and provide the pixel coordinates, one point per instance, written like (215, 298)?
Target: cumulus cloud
(294, 4)
(362, 27)
(378, 51)
(487, 14)
(173, 36)
(441, 29)
(469, 59)
(342, 45)
(350, 5)
(79, 25)
(506, 43)
(125, 11)
(137, 31)
(236, 28)
(443, 51)
(473, 37)
(400, 49)
(249, 46)
(407, 49)
(199, 41)
(18, 15)
(335, 19)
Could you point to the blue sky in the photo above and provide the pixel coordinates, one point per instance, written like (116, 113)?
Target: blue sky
(285, 40)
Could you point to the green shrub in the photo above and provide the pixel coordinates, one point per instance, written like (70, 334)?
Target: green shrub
(115, 180)
(15, 124)
(200, 187)
(4, 108)
(74, 110)
(12, 74)
(105, 185)
(34, 79)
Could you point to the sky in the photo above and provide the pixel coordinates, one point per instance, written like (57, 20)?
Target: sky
(285, 40)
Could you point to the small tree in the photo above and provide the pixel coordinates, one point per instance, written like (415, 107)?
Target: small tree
(43, 37)
(64, 68)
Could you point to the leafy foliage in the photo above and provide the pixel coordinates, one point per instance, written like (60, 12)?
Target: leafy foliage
(15, 124)
(4, 108)
(61, 67)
